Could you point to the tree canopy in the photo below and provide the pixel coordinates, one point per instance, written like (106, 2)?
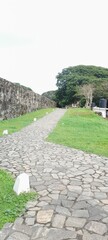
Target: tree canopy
(72, 78)
(50, 94)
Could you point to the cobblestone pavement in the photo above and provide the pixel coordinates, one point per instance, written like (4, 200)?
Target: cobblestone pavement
(72, 186)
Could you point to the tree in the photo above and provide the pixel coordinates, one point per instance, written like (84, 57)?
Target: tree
(71, 78)
(87, 91)
(50, 94)
(101, 91)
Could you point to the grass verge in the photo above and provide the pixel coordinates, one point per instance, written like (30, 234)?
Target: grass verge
(11, 205)
(16, 124)
(82, 129)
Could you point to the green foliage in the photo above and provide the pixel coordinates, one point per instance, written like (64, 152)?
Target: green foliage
(82, 129)
(82, 102)
(16, 124)
(50, 94)
(72, 77)
(11, 205)
(101, 91)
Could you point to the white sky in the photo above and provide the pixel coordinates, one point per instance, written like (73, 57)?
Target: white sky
(38, 38)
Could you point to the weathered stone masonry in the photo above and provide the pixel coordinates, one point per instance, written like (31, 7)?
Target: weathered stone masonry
(16, 100)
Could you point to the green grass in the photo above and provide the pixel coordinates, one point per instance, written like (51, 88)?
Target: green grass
(11, 205)
(16, 124)
(82, 129)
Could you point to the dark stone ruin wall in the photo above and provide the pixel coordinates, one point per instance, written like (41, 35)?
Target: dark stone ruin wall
(16, 100)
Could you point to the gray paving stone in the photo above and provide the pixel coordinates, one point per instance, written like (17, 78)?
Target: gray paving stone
(97, 184)
(39, 232)
(89, 171)
(105, 220)
(54, 196)
(96, 227)
(67, 203)
(64, 192)
(69, 182)
(80, 213)
(22, 228)
(105, 201)
(62, 197)
(105, 208)
(75, 222)
(75, 189)
(88, 236)
(56, 202)
(7, 226)
(88, 193)
(30, 221)
(31, 213)
(60, 234)
(82, 198)
(81, 205)
(39, 187)
(57, 187)
(58, 221)
(5, 233)
(72, 195)
(63, 211)
(42, 203)
(45, 199)
(43, 193)
(75, 183)
(95, 211)
(44, 216)
(19, 221)
(100, 195)
(31, 204)
(18, 236)
(93, 202)
(65, 181)
(49, 207)
(104, 189)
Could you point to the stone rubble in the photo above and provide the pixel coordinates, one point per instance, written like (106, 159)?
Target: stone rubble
(72, 186)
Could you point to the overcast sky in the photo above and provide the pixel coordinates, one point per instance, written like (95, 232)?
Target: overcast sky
(38, 38)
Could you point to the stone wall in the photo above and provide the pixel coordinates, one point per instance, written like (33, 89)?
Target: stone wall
(16, 100)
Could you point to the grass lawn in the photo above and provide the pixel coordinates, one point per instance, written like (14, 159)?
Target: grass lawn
(82, 129)
(11, 205)
(16, 124)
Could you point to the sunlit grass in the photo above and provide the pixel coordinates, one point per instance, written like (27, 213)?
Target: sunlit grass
(16, 124)
(11, 205)
(82, 129)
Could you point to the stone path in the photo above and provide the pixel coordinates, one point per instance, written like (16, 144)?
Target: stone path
(72, 186)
